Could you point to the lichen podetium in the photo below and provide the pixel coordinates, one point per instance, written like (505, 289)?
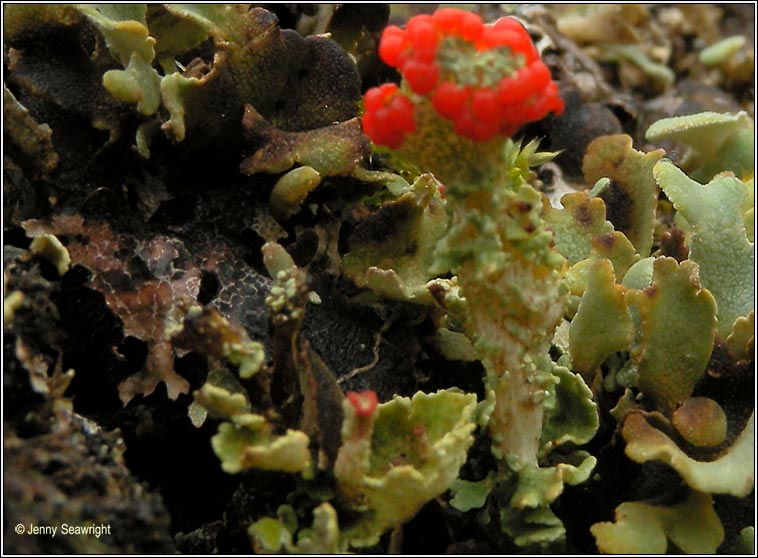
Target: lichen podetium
(466, 88)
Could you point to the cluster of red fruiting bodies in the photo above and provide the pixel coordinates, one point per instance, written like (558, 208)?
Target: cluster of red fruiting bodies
(496, 84)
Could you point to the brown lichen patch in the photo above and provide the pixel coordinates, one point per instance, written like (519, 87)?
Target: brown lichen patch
(582, 219)
(619, 206)
(384, 224)
(673, 244)
(582, 213)
(632, 194)
(605, 242)
(331, 150)
(26, 23)
(142, 285)
(617, 248)
(322, 413)
(296, 83)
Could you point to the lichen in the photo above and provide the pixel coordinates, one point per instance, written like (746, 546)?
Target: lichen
(151, 309)
(640, 528)
(631, 193)
(391, 323)
(717, 142)
(398, 265)
(141, 38)
(32, 141)
(725, 257)
(581, 219)
(677, 333)
(49, 247)
(44, 432)
(125, 30)
(625, 35)
(602, 324)
(732, 473)
(247, 441)
(718, 53)
(400, 456)
(701, 422)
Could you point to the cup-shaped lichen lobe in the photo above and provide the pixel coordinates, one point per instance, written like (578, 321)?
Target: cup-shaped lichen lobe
(406, 430)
